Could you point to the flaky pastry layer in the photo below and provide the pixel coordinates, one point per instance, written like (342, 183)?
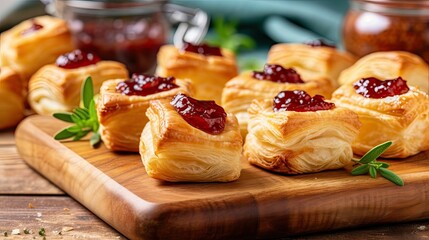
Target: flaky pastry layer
(172, 150)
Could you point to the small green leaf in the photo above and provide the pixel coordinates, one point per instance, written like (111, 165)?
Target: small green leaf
(75, 118)
(372, 171)
(92, 110)
(383, 164)
(87, 92)
(74, 129)
(66, 117)
(82, 113)
(80, 135)
(64, 134)
(391, 176)
(375, 152)
(362, 169)
(95, 139)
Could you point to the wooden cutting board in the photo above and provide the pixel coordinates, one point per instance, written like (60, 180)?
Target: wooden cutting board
(260, 204)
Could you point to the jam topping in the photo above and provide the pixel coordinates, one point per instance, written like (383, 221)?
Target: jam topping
(277, 73)
(143, 85)
(204, 115)
(203, 49)
(300, 101)
(33, 28)
(319, 43)
(77, 59)
(374, 88)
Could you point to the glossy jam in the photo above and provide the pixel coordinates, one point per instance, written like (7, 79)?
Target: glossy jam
(77, 59)
(203, 49)
(143, 85)
(319, 43)
(300, 101)
(204, 115)
(374, 88)
(277, 73)
(33, 28)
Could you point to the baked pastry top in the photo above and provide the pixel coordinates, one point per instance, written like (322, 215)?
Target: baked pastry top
(56, 89)
(207, 73)
(327, 61)
(292, 142)
(123, 117)
(402, 119)
(34, 43)
(240, 91)
(173, 150)
(389, 65)
(12, 98)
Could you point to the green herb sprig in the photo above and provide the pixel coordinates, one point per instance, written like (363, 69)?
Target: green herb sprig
(369, 164)
(85, 118)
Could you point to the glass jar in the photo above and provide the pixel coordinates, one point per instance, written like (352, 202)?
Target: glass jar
(387, 25)
(129, 31)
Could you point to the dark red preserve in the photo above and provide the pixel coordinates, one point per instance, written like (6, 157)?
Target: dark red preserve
(77, 59)
(277, 73)
(300, 101)
(143, 85)
(33, 28)
(203, 49)
(319, 43)
(374, 88)
(204, 115)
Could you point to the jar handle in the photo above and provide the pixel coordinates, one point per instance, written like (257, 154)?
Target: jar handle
(193, 23)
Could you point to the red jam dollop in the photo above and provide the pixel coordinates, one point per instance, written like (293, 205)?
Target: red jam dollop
(204, 115)
(33, 28)
(300, 101)
(143, 85)
(319, 43)
(77, 59)
(277, 73)
(203, 49)
(374, 88)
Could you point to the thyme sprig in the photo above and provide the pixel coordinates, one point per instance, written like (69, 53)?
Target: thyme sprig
(369, 164)
(84, 118)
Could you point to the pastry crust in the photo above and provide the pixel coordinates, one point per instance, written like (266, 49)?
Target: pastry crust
(122, 117)
(26, 54)
(402, 119)
(292, 142)
(55, 89)
(389, 65)
(12, 98)
(207, 73)
(326, 61)
(240, 91)
(172, 150)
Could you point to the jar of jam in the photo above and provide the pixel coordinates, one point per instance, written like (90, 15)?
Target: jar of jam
(387, 25)
(129, 31)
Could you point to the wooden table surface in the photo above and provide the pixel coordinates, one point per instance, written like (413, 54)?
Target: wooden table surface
(29, 202)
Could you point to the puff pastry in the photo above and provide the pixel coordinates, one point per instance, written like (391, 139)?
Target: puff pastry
(12, 98)
(292, 142)
(55, 89)
(389, 65)
(122, 117)
(173, 150)
(241, 90)
(402, 119)
(26, 53)
(326, 61)
(207, 73)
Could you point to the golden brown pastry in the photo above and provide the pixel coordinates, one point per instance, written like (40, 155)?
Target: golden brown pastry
(402, 119)
(122, 117)
(327, 61)
(389, 65)
(57, 87)
(207, 73)
(173, 150)
(241, 90)
(12, 98)
(34, 43)
(293, 142)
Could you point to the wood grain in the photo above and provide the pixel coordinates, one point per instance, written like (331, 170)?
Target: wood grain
(259, 205)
